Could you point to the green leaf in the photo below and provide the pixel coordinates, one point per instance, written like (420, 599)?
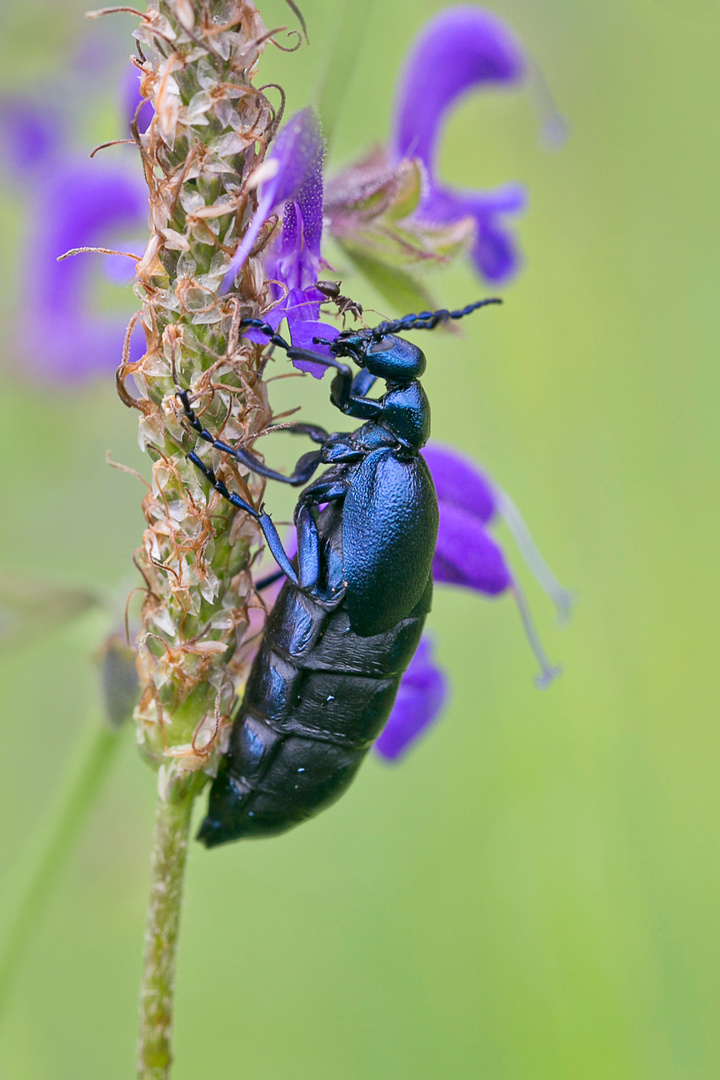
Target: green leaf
(401, 290)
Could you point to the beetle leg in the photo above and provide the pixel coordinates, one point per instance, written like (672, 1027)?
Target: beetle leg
(344, 372)
(363, 408)
(308, 553)
(305, 467)
(346, 388)
(341, 451)
(266, 582)
(303, 471)
(362, 383)
(313, 431)
(265, 328)
(264, 520)
(351, 399)
(322, 492)
(308, 548)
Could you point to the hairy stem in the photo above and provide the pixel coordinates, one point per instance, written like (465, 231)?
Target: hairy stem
(172, 826)
(52, 851)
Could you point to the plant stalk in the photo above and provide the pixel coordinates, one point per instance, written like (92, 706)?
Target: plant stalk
(172, 827)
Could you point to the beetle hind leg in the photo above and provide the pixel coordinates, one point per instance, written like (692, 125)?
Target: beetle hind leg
(264, 520)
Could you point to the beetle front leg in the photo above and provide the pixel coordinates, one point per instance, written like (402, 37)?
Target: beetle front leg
(304, 467)
(313, 431)
(324, 491)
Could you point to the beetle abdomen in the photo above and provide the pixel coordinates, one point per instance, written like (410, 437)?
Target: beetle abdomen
(317, 697)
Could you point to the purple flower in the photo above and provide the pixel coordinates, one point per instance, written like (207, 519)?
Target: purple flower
(461, 49)
(293, 166)
(30, 135)
(467, 555)
(79, 204)
(70, 202)
(294, 260)
(421, 697)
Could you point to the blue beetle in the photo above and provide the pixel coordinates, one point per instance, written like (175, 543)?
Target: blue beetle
(349, 617)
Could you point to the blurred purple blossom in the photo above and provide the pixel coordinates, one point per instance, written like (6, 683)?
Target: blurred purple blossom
(77, 206)
(460, 49)
(31, 135)
(134, 104)
(421, 697)
(466, 554)
(71, 202)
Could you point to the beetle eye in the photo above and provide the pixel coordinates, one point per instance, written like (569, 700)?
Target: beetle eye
(384, 345)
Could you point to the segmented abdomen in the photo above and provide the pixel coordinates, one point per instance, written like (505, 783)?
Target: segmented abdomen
(317, 697)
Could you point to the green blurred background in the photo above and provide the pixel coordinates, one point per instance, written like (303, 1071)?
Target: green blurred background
(533, 894)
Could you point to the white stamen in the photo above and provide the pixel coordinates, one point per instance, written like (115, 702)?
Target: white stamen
(555, 127)
(548, 672)
(562, 598)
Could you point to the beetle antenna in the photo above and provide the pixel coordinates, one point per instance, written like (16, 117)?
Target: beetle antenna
(428, 320)
(548, 671)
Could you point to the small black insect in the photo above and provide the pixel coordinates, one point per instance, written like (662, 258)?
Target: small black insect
(349, 617)
(344, 305)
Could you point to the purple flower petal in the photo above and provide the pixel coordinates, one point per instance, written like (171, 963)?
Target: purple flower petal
(303, 334)
(422, 694)
(70, 348)
(299, 150)
(30, 134)
(294, 262)
(458, 480)
(302, 226)
(295, 259)
(494, 251)
(297, 156)
(301, 308)
(80, 204)
(460, 49)
(467, 555)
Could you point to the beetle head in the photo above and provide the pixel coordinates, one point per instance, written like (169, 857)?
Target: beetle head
(393, 359)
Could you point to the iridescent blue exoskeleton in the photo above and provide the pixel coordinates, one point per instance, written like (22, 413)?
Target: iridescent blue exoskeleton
(350, 614)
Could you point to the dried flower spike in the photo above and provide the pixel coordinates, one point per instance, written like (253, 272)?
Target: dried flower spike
(201, 153)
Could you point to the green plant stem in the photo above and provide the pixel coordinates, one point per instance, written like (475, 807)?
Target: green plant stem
(172, 826)
(53, 849)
